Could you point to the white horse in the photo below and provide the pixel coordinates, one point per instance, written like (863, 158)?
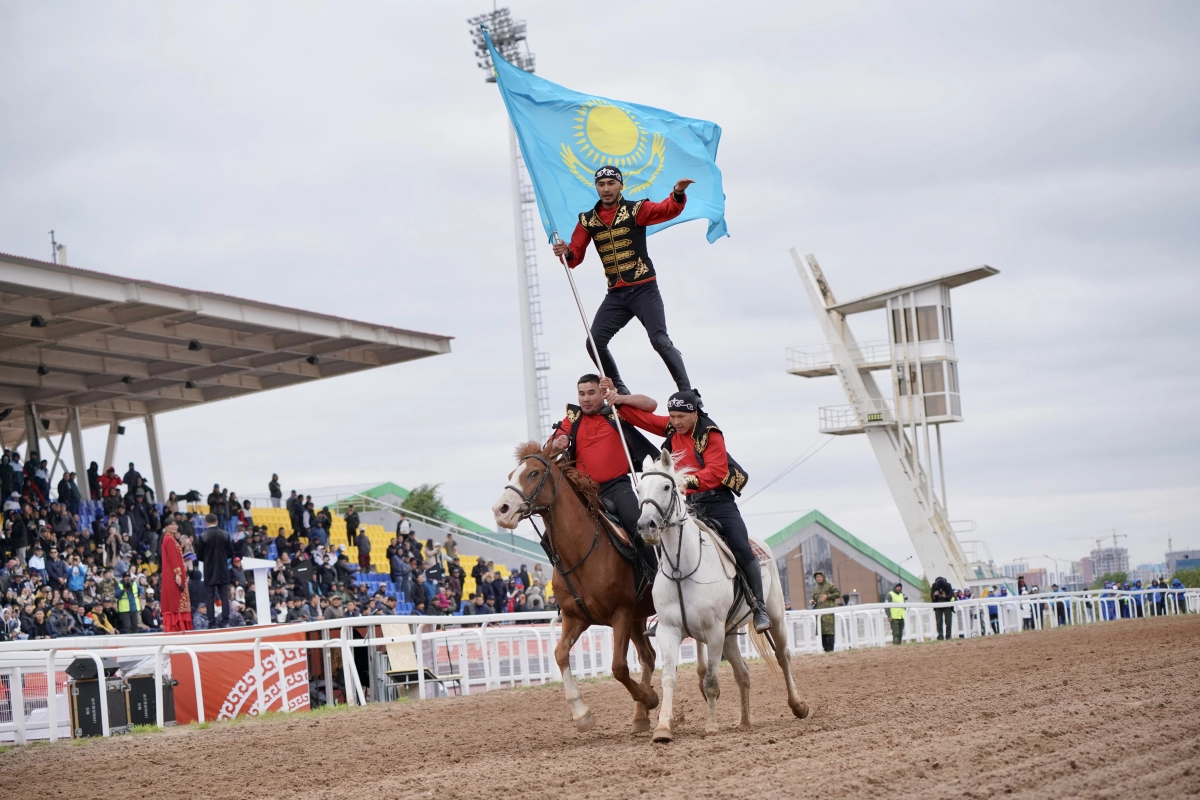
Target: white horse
(693, 595)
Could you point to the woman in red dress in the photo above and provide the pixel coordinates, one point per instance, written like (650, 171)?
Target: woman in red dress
(175, 602)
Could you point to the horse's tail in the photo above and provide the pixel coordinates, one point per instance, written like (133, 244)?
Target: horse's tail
(763, 643)
(765, 651)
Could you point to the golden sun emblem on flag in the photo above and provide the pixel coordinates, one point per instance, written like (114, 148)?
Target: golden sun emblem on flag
(609, 134)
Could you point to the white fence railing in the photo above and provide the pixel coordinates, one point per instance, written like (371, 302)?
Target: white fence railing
(505, 650)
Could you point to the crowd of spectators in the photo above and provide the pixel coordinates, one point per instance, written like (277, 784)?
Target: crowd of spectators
(70, 567)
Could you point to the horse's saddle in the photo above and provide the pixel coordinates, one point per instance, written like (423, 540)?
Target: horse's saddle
(645, 563)
(614, 521)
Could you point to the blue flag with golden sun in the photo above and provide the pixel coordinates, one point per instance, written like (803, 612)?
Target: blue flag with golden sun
(566, 136)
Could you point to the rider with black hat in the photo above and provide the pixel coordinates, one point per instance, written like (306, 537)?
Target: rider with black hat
(618, 228)
(715, 478)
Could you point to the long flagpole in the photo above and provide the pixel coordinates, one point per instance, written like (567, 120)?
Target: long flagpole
(599, 362)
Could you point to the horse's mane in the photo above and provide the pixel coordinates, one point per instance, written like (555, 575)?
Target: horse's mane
(587, 489)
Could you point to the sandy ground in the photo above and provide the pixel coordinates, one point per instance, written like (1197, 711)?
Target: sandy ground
(1109, 710)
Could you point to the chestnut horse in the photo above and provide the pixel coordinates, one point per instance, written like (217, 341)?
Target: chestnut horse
(593, 582)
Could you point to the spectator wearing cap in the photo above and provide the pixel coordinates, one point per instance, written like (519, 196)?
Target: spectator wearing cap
(942, 592)
(130, 601)
(826, 595)
(61, 621)
(152, 614)
(37, 562)
(897, 614)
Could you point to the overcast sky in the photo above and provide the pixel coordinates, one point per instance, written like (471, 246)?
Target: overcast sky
(349, 158)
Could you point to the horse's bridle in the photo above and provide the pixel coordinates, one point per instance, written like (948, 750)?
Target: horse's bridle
(528, 509)
(676, 575)
(665, 514)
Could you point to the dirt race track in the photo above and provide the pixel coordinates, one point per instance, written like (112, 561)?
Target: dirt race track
(1110, 710)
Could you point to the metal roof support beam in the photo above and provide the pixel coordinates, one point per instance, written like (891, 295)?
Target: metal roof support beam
(75, 426)
(110, 452)
(31, 430)
(160, 489)
(57, 460)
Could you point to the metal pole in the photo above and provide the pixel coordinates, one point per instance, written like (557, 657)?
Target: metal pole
(32, 434)
(110, 451)
(76, 427)
(599, 364)
(160, 489)
(942, 470)
(528, 359)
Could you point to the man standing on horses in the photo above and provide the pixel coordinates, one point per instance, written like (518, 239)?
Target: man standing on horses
(589, 435)
(714, 480)
(618, 228)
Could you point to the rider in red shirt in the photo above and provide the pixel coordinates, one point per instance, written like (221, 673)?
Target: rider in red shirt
(589, 433)
(696, 442)
(617, 227)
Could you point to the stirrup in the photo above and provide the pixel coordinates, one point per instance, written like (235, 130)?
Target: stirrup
(762, 622)
(652, 628)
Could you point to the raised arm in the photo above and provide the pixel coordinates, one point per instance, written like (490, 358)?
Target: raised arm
(638, 401)
(652, 213)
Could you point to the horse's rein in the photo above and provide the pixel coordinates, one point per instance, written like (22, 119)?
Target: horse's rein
(676, 573)
(528, 510)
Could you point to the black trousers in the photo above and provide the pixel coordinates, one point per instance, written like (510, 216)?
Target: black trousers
(215, 593)
(721, 506)
(827, 642)
(619, 307)
(619, 491)
(944, 617)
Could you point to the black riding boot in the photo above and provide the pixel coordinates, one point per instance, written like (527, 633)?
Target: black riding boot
(674, 361)
(762, 621)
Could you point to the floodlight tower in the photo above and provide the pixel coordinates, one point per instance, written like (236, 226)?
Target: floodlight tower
(507, 35)
(919, 354)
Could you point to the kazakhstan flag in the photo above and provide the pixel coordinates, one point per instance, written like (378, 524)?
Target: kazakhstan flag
(566, 136)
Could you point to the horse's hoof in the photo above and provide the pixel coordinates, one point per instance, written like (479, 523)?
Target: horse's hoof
(744, 726)
(662, 736)
(800, 710)
(710, 730)
(652, 703)
(585, 723)
(641, 725)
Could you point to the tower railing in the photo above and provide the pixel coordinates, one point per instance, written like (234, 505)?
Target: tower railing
(820, 356)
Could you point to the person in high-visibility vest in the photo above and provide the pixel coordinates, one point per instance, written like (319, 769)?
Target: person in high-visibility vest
(129, 605)
(897, 615)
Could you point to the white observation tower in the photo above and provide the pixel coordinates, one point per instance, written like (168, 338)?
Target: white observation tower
(923, 393)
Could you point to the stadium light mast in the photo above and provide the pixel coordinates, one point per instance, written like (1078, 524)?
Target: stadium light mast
(507, 35)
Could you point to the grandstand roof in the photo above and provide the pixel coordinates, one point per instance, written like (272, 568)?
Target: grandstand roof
(117, 348)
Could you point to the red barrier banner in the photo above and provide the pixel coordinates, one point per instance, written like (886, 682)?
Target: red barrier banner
(228, 684)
